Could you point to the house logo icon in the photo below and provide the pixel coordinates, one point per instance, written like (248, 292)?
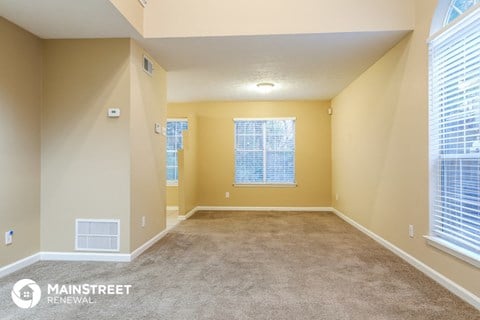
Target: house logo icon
(26, 293)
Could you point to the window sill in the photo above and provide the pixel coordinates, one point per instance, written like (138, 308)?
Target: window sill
(172, 183)
(454, 250)
(265, 185)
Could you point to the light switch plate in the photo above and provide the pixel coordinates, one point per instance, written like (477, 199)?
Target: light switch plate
(9, 237)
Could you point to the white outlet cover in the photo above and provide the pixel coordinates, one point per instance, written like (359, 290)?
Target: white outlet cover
(113, 112)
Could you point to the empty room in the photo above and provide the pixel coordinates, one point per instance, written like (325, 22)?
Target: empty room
(215, 159)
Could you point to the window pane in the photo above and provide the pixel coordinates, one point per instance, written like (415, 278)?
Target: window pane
(457, 7)
(172, 174)
(174, 143)
(269, 162)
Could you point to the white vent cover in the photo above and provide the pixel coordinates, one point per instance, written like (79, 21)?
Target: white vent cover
(147, 65)
(97, 235)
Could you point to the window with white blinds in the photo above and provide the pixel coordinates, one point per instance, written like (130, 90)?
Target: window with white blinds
(175, 127)
(265, 151)
(455, 135)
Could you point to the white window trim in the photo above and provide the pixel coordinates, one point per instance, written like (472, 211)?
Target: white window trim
(263, 185)
(172, 183)
(454, 250)
(265, 119)
(177, 119)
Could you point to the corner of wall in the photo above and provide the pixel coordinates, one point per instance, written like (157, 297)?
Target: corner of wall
(147, 153)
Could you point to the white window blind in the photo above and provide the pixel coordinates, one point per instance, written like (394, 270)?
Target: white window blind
(455, 134)
(265, 151)
(175, 127)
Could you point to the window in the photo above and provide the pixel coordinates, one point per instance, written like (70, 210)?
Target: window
(457, 7)
(455, 134)
(265, 151)
(174, 143)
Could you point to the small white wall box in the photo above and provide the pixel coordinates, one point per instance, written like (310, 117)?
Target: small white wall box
(9, 237)
(113, 112)
(158, 128)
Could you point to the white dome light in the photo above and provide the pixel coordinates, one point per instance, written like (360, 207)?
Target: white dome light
(265, 87)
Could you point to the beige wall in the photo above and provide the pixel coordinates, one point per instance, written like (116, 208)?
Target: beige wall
(185, 194)
(132, 11)
(188, 168)
(20, 105)
(380, 151)
(85, 154)
(186, 18)
(172, 196)
(148, 106)
(215, 154)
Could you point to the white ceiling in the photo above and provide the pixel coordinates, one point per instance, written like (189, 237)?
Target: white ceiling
(303, 67)
(65, 19)
(315, 66)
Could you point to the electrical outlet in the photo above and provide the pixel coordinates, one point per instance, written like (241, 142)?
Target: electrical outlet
(9, 237)
(411, 231)
(227, 194)
(144, 220)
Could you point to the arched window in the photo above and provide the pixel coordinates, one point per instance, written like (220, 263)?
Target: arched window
(454, 130)
(456, 8)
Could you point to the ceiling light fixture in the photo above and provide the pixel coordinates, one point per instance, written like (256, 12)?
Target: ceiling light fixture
(265, 87)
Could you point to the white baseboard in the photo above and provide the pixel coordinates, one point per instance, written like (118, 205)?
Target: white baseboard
(280, 209)
(20, 264)
(79, 256)
(273, 209)
(147, 244)
(453, 287)
(84, 256)
(172, 208)
(188, 215)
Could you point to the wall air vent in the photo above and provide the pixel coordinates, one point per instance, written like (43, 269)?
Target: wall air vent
(147, 65)
(97, 235)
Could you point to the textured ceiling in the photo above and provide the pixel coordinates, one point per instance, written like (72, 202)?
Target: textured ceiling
(304, 66)
(315, 66)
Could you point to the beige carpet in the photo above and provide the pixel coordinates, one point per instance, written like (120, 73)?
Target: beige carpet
(250, 265)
